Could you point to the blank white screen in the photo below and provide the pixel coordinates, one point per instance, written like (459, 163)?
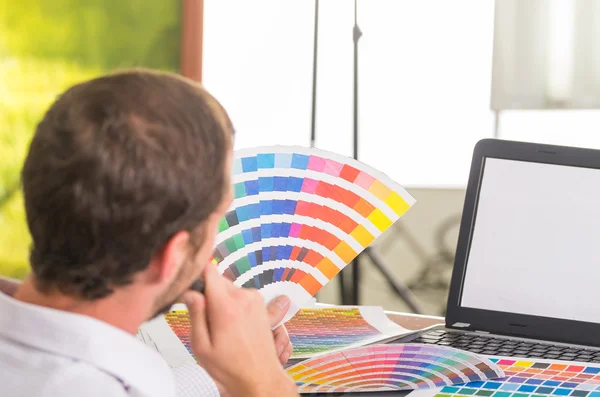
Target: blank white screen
(535, 244)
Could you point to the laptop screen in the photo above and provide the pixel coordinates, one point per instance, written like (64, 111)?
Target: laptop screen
(535, 247)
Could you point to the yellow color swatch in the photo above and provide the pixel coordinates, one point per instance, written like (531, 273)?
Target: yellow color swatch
(380, 220)
(362, 235)
(397, 203)
(302, 371)
(328, 268)
(379, 190)
(345, 252)
(524, 364)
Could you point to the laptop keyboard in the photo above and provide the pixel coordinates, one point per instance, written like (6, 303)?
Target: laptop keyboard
(493, 346)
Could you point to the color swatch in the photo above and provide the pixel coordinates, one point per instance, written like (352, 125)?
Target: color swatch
(299, 216)
(179, 321)
(391, 367)
(319, 330)
(527, 378)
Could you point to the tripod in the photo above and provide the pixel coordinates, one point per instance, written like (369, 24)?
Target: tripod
(351, 296)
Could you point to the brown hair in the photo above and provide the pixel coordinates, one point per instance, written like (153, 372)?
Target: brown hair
(117, 166)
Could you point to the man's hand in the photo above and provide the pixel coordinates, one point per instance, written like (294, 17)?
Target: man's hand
(232, 339)
(277, 308)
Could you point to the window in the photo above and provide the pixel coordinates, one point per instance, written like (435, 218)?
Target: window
(425, 73)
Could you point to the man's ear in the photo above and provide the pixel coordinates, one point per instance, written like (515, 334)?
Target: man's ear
(167, 261)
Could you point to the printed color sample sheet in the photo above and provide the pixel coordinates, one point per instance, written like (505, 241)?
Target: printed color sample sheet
(179, 322)
(316, 331)
(319, 330)
(391, 367)
(170, 336)
(531, 378)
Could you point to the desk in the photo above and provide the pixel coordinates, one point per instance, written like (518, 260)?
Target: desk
(414, 322)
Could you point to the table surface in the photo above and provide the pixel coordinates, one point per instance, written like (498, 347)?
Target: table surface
(414, 322)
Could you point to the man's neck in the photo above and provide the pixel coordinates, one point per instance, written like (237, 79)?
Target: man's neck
(119, 309)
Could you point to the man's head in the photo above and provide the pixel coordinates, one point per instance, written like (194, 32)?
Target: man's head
(125, 181)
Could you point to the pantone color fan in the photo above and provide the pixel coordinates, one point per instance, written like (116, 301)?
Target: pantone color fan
(391, 367)
(300, 216)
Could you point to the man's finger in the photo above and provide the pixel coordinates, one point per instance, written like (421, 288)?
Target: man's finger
(282, 339)
(277, 309)
(287, 353)
(196, 305)
(216, 287)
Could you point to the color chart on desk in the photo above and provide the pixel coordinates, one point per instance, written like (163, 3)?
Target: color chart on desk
(179, 322)
(319, 330)
(534, 378)
(301, 215)
(391, 367)
(315, 331)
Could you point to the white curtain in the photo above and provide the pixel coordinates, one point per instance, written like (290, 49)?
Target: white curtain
(546, 54)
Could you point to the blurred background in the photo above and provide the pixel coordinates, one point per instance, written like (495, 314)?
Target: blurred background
(46, 46)
(434, 77)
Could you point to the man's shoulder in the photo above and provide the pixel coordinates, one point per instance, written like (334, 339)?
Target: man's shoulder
(80, 378)
(57, 377)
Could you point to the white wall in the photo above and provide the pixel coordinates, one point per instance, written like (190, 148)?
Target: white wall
(425, 80)
(425, 72)
(422, 106)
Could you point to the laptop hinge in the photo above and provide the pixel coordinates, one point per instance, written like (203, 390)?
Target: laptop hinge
(468, 326)
(461, 325)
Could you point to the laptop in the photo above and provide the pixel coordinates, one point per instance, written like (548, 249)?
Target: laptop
(526, 278)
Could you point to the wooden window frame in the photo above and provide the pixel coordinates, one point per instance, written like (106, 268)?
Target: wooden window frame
(192, 32)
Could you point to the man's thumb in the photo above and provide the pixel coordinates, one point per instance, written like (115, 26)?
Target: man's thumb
(277, 309)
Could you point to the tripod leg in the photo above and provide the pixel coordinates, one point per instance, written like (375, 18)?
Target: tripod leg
(356, 34)
(355, 282)
(400, 288)
(343, 297)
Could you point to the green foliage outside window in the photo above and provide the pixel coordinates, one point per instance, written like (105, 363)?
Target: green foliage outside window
(47, 46)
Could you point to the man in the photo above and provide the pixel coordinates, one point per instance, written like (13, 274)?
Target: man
(126, 179)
